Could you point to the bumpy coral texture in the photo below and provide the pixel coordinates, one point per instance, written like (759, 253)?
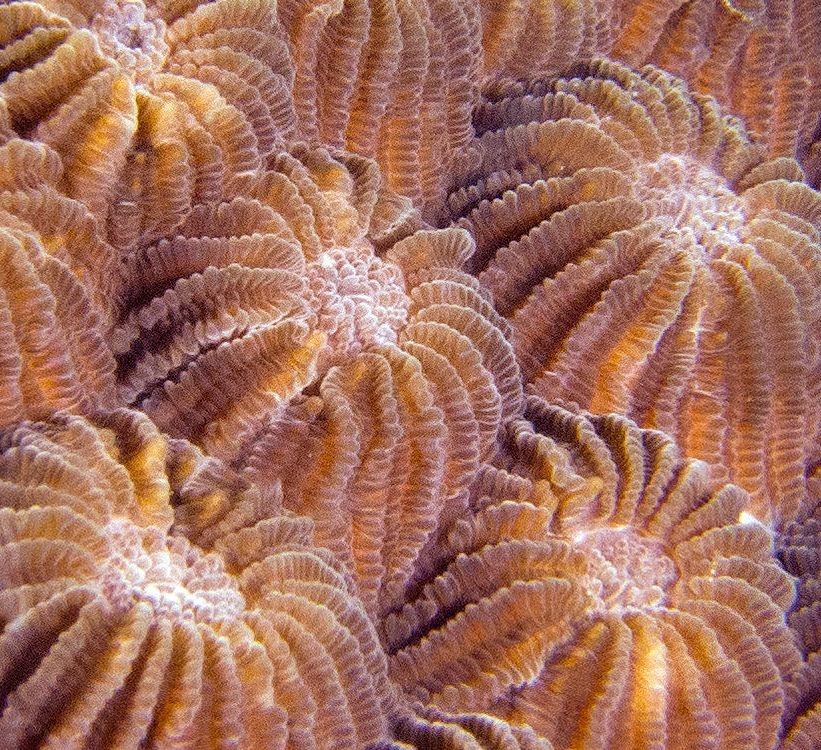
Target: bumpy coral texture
(372, 373)
(605, 593)
(151, 106)
(389, 444)
(758, 58)
(118, 633)
(53, 291)
(635, 238)
(395, 80)
(410, 372)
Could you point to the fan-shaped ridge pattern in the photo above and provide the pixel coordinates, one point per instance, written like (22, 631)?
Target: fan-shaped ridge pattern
(756, 57)
(604, 593)
(383, 449)
(268, 331)
(118, 634)
(390, 79)
(634, 238)
(152, 106)
(54, 289)
(372, 373)
(269, 286)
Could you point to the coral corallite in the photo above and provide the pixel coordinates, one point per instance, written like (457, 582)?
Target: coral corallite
(634, 236)
(120, 634)
(393, 374)
(605, 594)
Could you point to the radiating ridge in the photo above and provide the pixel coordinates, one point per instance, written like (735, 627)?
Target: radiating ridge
(632, 236)
(118, 633)
(605, 601)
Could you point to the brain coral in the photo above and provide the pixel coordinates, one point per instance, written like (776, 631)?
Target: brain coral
(394, 80)
(605, 593)
(151, 106)
(53, 289)
(117, 633)
(275, 279)
(758, 58)
(389, 442)
(633, 237)
(799, 548)
(385, 378)
(229, 289)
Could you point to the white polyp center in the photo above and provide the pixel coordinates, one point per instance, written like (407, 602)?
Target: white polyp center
(696, 199)
(625, 568)
(358, 298)
(746, 518)
(167, 573)
(130, 34)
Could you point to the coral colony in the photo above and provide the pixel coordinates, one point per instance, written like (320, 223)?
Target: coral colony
(390, 374)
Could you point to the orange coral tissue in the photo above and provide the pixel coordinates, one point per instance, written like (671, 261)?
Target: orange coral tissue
(394, 374)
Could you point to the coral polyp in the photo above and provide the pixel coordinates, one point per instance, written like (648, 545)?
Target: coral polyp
(389, 374)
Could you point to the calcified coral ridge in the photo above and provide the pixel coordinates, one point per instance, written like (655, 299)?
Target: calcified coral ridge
(410, 374)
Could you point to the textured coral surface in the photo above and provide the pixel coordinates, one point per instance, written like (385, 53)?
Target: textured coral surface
(390, 374)
(637, 267)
